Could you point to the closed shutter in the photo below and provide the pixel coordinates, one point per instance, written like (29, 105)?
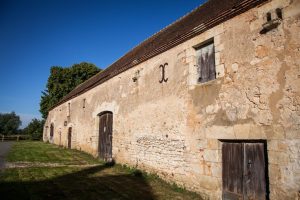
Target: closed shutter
(206, 63)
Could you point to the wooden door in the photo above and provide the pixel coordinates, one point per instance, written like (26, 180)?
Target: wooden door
(243, 174)
(254, 171)
(51, 131)
(105, 136)
(232, 172)
(69, 137)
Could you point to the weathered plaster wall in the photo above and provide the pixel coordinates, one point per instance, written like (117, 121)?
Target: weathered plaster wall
(174, 128)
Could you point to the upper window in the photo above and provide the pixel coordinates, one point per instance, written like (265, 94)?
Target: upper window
(206, 68)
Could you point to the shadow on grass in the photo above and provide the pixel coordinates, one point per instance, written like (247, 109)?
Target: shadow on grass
(84, 184)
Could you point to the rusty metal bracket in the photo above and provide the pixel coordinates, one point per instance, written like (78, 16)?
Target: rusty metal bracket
(163, 79)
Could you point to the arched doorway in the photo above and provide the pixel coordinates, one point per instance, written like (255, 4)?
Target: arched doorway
(51, 132)
(69, 137)
(105, 135)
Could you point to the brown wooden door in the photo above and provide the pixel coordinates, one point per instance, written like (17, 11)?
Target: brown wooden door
(69, 137)
(105, 136)
(232, 172)
(254, 171)
(51, 131)
(243, 174)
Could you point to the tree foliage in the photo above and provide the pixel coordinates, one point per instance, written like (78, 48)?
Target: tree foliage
(9, 123)
(61, 81)
(35, 129)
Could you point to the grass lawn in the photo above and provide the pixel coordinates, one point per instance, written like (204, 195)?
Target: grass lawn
(78, 180)
(47, 153)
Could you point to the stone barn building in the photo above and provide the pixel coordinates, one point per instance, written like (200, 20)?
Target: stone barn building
(211, 102)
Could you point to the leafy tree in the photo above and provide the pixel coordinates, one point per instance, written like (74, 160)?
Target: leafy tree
(9, 123)
(61, 81)
(35, 129)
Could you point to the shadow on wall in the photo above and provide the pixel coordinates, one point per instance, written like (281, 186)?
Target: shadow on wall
(80, 185)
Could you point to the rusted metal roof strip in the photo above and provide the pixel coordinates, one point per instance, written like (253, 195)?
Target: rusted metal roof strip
(199, 20)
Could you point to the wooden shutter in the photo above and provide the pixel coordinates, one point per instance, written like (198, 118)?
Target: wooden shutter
(232, 174)
(206, 63)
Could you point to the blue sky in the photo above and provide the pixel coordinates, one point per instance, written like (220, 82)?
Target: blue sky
(38, 34)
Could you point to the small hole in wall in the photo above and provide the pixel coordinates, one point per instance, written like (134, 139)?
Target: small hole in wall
(167, 136)
(269, 18)
(134, 79)
(279, 13)
(83, 103)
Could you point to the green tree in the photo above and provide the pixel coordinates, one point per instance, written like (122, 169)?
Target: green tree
(9, 123)
(35, 129)
(61, 81)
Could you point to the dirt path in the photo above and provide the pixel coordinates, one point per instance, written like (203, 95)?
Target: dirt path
(4, 148)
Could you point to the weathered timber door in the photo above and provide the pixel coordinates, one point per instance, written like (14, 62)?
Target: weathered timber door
(51, 131)
(69, 137)
(243, 171)
(105, 136)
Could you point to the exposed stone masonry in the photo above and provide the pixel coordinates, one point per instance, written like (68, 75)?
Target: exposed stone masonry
(175, 129)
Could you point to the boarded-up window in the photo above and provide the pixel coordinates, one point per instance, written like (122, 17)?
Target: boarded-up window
(206, 69)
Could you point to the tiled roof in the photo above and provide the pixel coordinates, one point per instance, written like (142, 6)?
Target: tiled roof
(194, 23)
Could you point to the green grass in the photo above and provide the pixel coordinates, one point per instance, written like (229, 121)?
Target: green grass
(29, 151)
(98, 182)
